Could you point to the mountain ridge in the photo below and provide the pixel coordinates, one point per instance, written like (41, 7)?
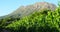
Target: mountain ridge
(27, 10)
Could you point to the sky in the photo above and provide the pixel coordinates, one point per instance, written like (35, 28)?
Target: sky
(8, 6)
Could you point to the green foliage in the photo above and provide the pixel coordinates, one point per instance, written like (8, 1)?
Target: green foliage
(45, 21)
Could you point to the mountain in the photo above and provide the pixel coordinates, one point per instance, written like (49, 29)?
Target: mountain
(26, 10)
(29, 9)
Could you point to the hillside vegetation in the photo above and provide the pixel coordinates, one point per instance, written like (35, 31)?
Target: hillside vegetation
(45, 21)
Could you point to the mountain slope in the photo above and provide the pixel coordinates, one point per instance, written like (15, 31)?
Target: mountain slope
(26, 10)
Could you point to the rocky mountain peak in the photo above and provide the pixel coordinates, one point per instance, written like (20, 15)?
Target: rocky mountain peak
(26, 10)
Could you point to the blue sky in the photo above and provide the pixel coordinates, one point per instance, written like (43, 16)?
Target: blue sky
(8, 6)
